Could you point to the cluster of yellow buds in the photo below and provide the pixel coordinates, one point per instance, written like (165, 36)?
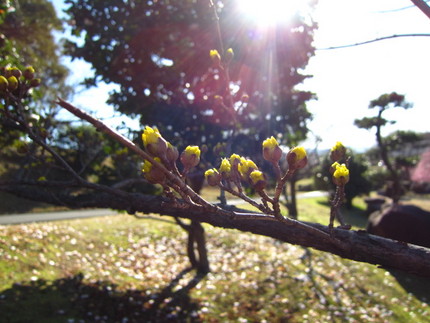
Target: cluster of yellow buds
(216, 57)
(165, 154)
(339, 172)
(237, 168)
(13, 79)
(246, 167)
(296, 157)
(234, 169)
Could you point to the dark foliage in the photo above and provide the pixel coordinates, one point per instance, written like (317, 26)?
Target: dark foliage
(158, 52)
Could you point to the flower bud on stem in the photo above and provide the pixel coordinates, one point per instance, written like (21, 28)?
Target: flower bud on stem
(190, 158)
(340, 176)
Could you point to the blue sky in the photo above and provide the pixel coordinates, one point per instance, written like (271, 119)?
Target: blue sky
(345, 80)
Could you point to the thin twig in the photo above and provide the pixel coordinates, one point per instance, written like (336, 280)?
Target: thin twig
(247, 199)
(132, 146)
(374, 40)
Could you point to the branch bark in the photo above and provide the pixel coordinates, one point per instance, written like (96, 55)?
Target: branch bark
(423, 6)
(355, 245)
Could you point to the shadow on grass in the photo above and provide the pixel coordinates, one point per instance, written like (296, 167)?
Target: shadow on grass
(416, 285)
(12, 204)
(73, 300)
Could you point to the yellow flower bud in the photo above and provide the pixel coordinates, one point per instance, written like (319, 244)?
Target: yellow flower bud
(153, 142)
(225, 168)
(246, 166)
(153, 174)
(235, 160)
(341, 175)
(215, 56)
(225, 165)
(271, 150)
(13, 71)
(213, 177)
(337, 152)
(333, 167)
(13, 83)
(4, 84)
(29, 73)
(258, 180)
(297, 158)
(150, 136)
(172, 153)
(35, 82)
(190, 157)
(229, 54)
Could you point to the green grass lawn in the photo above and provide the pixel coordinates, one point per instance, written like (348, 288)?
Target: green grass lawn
(123, 269)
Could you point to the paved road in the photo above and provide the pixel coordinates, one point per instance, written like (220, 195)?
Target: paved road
(66, 215)
(53, 216)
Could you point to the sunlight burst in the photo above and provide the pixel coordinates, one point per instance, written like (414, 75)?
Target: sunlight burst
(271, 12)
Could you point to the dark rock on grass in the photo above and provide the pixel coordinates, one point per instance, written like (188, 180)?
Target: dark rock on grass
(407, 223)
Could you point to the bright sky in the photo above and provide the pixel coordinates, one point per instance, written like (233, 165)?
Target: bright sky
(346, 80)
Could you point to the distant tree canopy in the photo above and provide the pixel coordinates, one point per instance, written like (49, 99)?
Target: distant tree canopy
(26, 28)
(158, 52)
(27, 39)
(26, 33)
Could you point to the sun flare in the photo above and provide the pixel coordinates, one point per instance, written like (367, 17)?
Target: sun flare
(271, 12)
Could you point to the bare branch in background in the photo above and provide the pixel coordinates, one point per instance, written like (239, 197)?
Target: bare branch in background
(374, 40)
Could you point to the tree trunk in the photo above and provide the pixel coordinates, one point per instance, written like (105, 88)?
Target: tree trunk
(396, 189)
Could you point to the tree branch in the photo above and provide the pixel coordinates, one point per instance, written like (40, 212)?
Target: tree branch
(354, 245)
(423, 6)
(374, 40)
(358, 245)
(133, 147)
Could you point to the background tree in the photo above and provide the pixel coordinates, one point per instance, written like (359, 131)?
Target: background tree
(27, 39)
(26, 29)
(158, 53)
(384, 102)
